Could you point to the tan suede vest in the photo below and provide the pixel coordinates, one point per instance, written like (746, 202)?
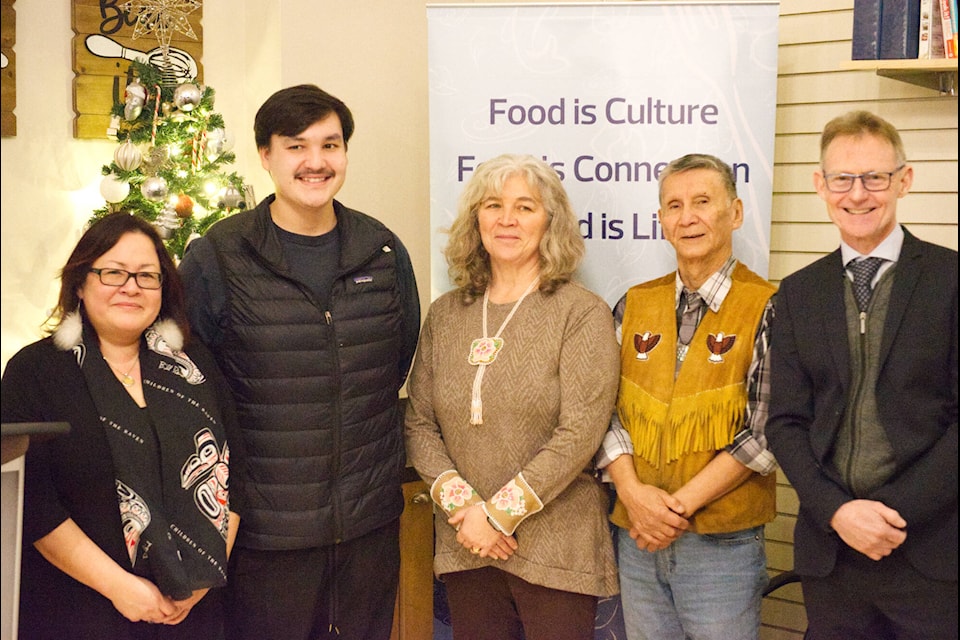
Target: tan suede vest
(678, 425)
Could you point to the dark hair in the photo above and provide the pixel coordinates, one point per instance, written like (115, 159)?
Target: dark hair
(291, 111)
(99, 238)
(700, 161)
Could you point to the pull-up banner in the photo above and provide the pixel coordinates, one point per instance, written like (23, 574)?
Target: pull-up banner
(607, 94)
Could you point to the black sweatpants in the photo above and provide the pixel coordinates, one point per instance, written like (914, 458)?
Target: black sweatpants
(345, 591)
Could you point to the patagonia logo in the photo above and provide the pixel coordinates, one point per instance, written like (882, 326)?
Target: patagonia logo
(363, 279)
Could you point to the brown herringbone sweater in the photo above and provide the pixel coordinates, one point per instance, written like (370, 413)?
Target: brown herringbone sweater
(547, 400)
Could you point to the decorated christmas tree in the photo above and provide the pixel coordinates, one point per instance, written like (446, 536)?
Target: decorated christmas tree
(169, 167)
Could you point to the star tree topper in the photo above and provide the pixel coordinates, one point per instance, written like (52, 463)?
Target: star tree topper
(162, 18)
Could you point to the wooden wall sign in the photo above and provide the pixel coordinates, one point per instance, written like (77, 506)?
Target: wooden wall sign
(8, 74)
(108, 37)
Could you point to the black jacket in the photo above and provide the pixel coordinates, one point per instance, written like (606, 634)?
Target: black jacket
(315, 384)
(72, 476)
(916, 401)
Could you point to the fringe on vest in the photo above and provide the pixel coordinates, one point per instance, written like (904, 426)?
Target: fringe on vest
(707, 421)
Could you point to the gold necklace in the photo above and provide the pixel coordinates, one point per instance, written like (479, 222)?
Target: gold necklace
(125, 378)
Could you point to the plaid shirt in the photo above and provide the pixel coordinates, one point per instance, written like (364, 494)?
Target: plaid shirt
(749, 446)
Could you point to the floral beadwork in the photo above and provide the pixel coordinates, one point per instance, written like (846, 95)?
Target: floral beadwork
(510, 499)
(512, 504)
(455, 493)
(484, 350)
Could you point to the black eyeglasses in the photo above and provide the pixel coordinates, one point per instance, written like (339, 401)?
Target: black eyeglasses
(872, 180)
(119, 277)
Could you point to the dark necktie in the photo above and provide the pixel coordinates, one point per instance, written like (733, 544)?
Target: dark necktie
(863, 272)
(688, 322)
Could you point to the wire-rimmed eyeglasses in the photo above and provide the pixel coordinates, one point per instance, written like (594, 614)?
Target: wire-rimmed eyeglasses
(120, 277)
(872, 180)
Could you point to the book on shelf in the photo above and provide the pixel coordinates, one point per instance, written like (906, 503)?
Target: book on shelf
(930, 41)
(953, 23)
(946, 23)
(899, 29)
(866, 29)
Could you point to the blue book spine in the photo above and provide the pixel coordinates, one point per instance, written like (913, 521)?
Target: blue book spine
(866, 29)
(900, 29)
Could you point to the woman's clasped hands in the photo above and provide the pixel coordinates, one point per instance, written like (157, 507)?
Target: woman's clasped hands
(479, 537)
(143, 602)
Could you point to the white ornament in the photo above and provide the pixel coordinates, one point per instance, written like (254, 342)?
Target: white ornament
(113, 127)
(113, 189)
(216, 143)
(228, 141)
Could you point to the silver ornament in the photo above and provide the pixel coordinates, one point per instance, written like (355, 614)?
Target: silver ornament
(166, 223)
(127, 156)
(154, 188)
(132, 111)
(134, 98)
(163, 232)
(186, 96)
(231, 198)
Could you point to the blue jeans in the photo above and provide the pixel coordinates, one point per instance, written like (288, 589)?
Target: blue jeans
(701, 587)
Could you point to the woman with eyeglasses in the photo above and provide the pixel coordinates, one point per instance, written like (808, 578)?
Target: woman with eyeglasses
(129, 517)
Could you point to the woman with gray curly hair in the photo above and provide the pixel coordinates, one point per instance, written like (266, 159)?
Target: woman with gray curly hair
(510, 395)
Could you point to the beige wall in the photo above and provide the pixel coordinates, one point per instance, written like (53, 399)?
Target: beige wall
(372, 54)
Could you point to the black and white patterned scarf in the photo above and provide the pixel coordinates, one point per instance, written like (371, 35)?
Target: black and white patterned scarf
(171, 461)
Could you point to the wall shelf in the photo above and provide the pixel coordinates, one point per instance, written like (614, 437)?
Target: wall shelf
(939, 75)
